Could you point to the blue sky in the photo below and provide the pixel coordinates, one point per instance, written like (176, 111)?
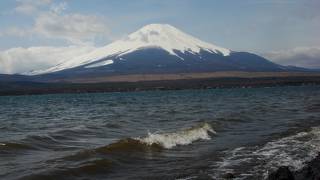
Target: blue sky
(285, 31)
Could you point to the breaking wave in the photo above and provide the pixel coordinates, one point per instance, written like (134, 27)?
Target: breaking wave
(153, 142)
(183, 137)
(103, 159)
(293, 151)
(158, 141)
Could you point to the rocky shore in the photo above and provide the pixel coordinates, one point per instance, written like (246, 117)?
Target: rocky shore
(311, 171)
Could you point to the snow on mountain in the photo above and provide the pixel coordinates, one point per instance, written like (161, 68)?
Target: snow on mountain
(103, 63)
(162, 36)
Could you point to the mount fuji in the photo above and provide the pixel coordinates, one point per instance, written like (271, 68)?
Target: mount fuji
(159, 49)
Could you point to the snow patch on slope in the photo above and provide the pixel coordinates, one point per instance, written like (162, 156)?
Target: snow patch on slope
(102, 63)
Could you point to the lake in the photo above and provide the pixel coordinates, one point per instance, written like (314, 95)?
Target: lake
(185, 134)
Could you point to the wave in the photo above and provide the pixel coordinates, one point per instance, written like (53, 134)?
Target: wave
(156, 141)
(10, 146)
(292, 151)
(85, 170)
(129, 145)
(37, 142)
(183, 137)
(107, 157)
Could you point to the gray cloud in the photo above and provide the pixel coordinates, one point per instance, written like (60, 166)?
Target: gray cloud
(308, 57)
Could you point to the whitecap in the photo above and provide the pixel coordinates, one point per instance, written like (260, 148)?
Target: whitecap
(293, 151)
(182, 137)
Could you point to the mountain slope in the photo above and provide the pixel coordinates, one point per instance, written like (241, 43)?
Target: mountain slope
(161, 36)
(159, 48)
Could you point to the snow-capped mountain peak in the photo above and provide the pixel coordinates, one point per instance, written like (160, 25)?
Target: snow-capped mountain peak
(162, 36)
(170, 38)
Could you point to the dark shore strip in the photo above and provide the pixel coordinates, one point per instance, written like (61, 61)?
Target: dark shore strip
(30, 88)
(311, 171)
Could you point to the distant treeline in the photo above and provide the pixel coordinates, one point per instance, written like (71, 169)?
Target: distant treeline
(25, 88)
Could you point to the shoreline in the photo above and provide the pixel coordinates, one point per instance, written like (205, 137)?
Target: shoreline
(311, 171)
(38, 88)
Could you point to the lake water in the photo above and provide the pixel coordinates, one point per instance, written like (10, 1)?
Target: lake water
(188, 134)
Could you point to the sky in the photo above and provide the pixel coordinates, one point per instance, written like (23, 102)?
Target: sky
(37, 34)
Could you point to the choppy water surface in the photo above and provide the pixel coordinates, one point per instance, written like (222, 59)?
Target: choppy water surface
(190, 134)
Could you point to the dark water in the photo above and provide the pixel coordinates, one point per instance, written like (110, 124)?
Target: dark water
(191, 134)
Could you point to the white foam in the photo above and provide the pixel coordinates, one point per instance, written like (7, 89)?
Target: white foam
(183, 137)
(2, 144)
(293, 151)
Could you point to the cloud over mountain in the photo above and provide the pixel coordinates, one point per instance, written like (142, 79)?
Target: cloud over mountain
(308, 57)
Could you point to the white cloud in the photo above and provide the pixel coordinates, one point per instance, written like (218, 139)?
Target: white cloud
(25, 9)
(308, 57)
(15, 31)
(58, 8)
(53, 23)
(30, 6)
(20, 60)
(75, 28)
